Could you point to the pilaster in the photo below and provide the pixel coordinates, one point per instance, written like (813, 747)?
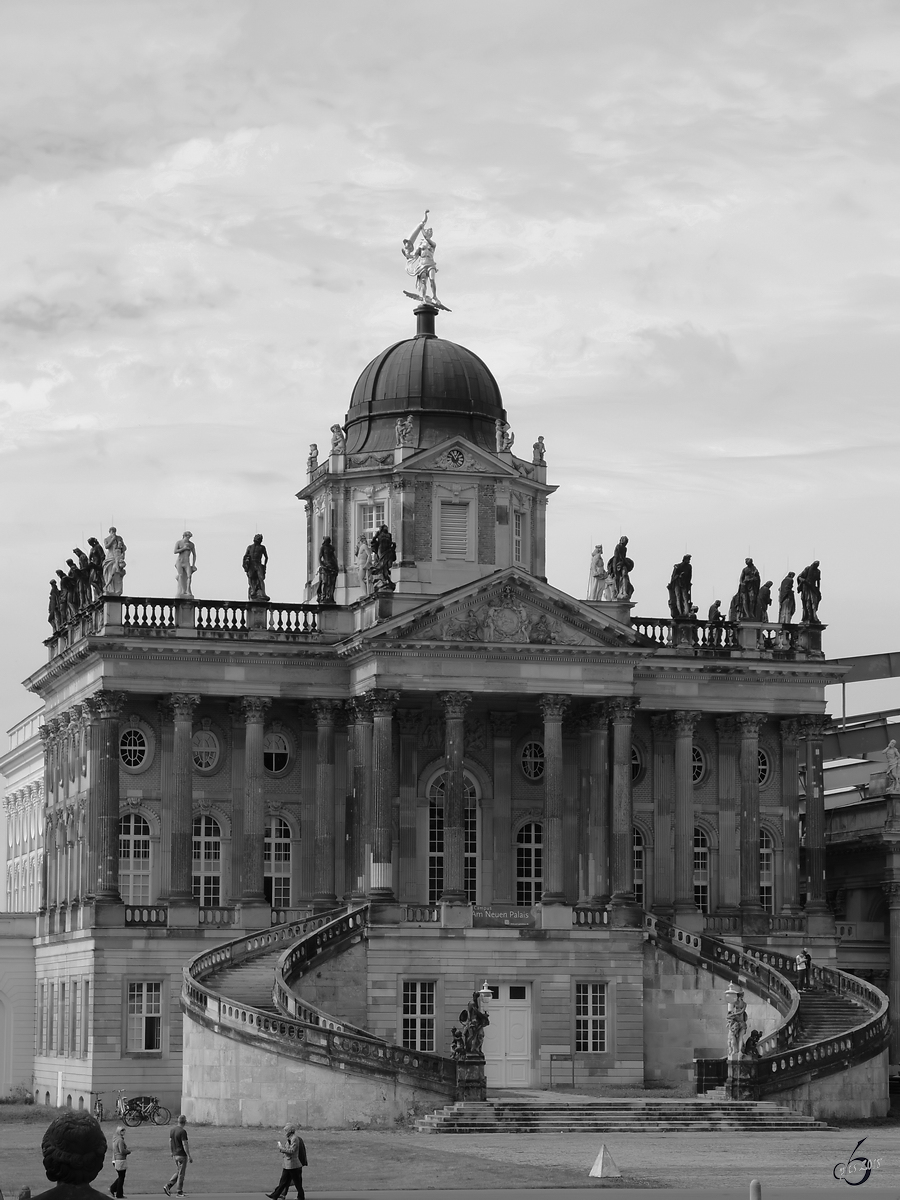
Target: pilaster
(454, 705)
(683, 726)
(325, 896)
(625, 911)
(381, 881)
(790, 801)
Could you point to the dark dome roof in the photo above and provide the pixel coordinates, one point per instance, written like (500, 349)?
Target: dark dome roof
(444, 387)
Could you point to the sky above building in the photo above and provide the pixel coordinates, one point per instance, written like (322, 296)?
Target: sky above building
(669, 228)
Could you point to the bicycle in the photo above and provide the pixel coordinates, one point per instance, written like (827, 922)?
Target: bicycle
(145, 1108)
(98, 1107)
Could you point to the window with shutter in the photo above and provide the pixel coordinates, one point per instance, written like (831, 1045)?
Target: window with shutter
(454, 529)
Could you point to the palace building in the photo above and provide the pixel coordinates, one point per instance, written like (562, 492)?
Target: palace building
(472, 779)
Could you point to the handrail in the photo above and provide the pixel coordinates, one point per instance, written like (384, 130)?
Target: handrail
(344, 1045)
(307, 953)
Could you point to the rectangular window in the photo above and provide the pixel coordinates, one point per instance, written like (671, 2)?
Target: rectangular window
(418, 1016)
(51, 1019)
(517, 537)
(144, 1017)
(85, 1018)
(371, 517)
(63, 1019)
(590, 1018)
(454, 535)
(767, 880)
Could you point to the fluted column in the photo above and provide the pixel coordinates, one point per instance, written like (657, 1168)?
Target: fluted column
(553, 709)
(622, 712)
(361, 710)
(254, 709)
(683, 725)
(106, 797)
(790, 800)
(325, 896)
(815, 728)
(46, 735)
(598, 804)
(502, 726)
(663, 816)
(454, 705)
(891, 890)
(408, 773)
(749, 724)
(729, 789)
(182, 707)
(381, 879)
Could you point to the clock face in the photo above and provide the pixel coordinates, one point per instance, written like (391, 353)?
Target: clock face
(456, 457)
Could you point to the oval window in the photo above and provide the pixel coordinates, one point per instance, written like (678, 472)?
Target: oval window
(276, 752)
(533, 760)
(132, 748)
(205, 749)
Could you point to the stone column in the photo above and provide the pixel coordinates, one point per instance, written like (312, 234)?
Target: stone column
(106, 797)
(325, 896)
(553, 709)
(891, 890)
(622, 711)
(381, 879)
(749, 724)
(362, 792)
(408, 762)
(683, 725)
(663, 817)
(182, 707)
(790, 800)
(598, 805)
(502, 726)
(815, 728)
(729, 858)
(252, 890)
(46, 735)
(454, 705)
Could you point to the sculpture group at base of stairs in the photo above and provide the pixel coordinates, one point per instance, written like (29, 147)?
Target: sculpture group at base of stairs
(613, 1116)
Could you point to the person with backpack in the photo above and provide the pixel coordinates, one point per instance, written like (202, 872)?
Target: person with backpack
(293, 1160)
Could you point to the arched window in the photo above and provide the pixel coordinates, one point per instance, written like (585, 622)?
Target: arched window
(701, 870)
(638, 868)
(134, 859)
(637, 763)
(698, 765)
(277, 863)
(436, 792)
(765, 767)
(529, 863)
(766, 871)
(276, 752)
(207, 873)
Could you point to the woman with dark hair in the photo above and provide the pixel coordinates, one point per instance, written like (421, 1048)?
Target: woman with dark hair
(74, 1148)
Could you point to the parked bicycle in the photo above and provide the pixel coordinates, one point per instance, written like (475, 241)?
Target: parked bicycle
(145, 1108)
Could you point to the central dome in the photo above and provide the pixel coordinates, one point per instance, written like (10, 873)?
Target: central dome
(443, 387)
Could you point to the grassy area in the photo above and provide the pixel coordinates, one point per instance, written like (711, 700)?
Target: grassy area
(28, 1114)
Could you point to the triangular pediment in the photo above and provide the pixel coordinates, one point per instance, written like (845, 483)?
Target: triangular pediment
(508, 608)
(457, 455)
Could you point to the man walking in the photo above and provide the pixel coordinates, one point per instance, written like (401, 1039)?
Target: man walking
(293, 1160)
(181, 1152)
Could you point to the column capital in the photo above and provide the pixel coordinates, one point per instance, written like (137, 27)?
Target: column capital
(727, 729)
(105, 705)
(791, 733)
(684, 722)
(254, 709)
(383, 701)
(360, 708)
(598, 713)
(891, 889)
(503, 724)
(183, 705)
(623, 708)
(661, 724)
(326, 711)
(455, 704)
(749, 723)
(46, 734)
(815, 725)
(553, 707)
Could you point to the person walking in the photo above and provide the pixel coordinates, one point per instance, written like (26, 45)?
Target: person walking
(181, 1152)
(802, 963)
(120, 1154)
(293, 1160)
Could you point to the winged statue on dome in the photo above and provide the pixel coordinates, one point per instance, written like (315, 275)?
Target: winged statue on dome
(420, 264)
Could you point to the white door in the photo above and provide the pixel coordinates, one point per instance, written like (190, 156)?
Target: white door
(507, 1040)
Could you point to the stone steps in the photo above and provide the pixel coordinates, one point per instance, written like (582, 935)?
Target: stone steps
(248, 982)
(826, 1015)
(613, 1116)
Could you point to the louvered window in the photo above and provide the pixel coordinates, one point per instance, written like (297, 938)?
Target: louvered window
(454, 529)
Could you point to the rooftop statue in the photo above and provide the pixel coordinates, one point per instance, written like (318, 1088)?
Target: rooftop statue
(96, 555)
(328, 573)
(403, 430)
(84, 566)
(384, 555)
(420, 264)
(504, 436)
(255, 562)
(763, 600)
(185, 565)
(892, 757)
(538, 452)
(787, 604)
(56, 614)
(680, 589)
(338, 441)
(68, 602)
(809, 584)
(113, 563)
(748, 590)
(597, 576)
(620, 567)
(73, 1148)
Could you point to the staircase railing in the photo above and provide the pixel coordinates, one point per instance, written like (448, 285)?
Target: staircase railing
(310, 1034)
(783, 1063)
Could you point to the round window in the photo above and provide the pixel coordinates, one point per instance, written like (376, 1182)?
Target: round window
(698, 764)
(132, 748)
(276, 753)
(205, 749)
(533, 760)
(765, 767)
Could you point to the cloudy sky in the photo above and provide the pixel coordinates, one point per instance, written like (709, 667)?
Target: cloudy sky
(670, 228)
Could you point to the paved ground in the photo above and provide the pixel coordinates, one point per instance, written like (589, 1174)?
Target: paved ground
(241, 1163)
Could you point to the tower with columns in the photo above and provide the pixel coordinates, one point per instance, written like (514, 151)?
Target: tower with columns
(509, 776)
